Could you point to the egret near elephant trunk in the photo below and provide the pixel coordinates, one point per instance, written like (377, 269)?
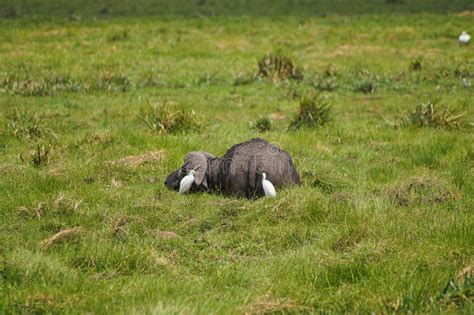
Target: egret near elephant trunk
(187, 182)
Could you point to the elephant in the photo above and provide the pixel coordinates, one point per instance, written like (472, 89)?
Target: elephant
(239, 172)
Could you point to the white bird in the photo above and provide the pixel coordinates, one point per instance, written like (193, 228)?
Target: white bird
(268, 187)
(464, 38)
(186, 183)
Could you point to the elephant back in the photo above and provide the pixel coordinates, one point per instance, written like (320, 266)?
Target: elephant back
(245, 162)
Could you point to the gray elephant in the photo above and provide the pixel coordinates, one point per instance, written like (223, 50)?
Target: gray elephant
(239, 171)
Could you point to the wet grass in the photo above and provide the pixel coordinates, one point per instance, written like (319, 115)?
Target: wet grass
(382, 223)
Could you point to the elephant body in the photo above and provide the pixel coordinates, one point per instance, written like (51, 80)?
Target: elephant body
(239, 171)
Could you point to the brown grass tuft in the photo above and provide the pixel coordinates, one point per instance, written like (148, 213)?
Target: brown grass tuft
(35, 212)
(61, 236)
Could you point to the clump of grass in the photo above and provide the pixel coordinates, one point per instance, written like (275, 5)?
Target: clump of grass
(324, 84)
(111, 81)
(456, 294)
(45, 85)
(365, 85)
(327, 183)
(365, 82)
(61, 236)
(119, 35)
(263, 124)
(165, 119)
(416, 64)
(330, 70)
(426, 115)
(40, 156)
(27, 126)
(458, 291)
(208, 79)
(65, 205)
(32, 212)
(276, 67)
(243, 79)
(150, 79)
(314, 111)
(422, 190)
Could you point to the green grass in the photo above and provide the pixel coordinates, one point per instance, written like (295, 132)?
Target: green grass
(383, 221)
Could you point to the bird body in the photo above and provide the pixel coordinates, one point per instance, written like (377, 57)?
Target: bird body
(268, 187)
(464, 38)
(186, 183)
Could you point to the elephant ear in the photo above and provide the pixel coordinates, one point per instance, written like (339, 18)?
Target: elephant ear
(197, 161)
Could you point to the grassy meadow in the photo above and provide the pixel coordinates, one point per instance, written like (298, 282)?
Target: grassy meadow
(383, 222)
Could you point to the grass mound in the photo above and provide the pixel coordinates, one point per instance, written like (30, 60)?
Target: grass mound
(313, 111)
(276, 67)
(422, 190)
(165, 119)
(427, 115)
(262, 124)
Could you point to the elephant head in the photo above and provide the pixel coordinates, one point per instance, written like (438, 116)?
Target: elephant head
(197, 161)
(239, 171)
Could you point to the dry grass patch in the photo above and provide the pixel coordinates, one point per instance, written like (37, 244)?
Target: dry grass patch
(271, 305)
(32, 212)
(159, 234)
(64, 204)
(62, 236)
(138, 160)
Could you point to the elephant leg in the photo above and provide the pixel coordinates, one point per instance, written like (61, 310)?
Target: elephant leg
(252, 177)
(236, 181)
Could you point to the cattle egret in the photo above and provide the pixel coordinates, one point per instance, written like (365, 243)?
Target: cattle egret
(268, 186)
(464, 38)
(186, 183)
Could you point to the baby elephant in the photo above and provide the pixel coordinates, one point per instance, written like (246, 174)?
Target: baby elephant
(239, 171)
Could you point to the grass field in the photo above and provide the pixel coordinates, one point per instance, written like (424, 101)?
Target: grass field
(384, 219)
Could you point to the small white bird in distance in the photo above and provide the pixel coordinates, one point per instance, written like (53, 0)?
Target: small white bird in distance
(186, 183)
(268, 187)
(464, 38)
